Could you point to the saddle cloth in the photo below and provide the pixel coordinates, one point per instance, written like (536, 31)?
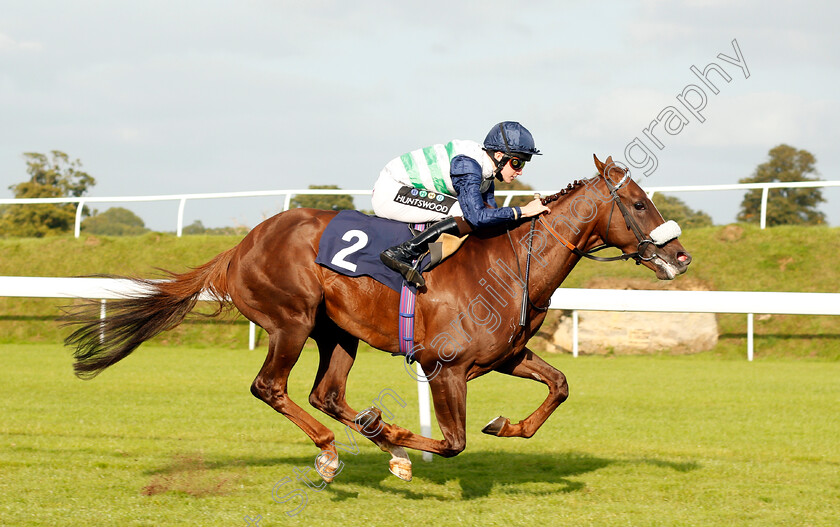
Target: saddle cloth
(352, 241)
(351, 244)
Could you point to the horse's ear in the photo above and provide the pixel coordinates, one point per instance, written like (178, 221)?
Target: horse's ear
(598, 165)
(613, 167)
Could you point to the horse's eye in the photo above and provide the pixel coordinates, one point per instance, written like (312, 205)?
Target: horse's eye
(640, 205)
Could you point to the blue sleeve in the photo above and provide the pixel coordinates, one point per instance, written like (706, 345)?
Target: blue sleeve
(490, 197)
(466, 178)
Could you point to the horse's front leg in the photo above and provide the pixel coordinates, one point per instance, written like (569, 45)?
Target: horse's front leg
(529, 366)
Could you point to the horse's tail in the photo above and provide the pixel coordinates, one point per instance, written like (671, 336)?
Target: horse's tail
(159, 305)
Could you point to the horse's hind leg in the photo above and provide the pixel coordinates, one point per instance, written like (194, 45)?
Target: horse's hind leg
(449, 392)
(271, 383)
(530, 366)
(338, 352)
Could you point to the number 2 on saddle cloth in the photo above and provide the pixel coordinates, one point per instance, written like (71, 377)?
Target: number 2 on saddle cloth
(351, 245)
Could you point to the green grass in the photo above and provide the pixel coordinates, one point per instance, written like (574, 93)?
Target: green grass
(32, 319)
(786, 258)
(171, 436)
(776, 259)
(745, 258)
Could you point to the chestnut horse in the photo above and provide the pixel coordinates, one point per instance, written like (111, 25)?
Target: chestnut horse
(467, 321)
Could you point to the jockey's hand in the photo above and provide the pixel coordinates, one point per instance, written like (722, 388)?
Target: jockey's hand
(535, 208)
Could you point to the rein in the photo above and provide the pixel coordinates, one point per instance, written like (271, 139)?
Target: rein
(642, 238)
(526, 296)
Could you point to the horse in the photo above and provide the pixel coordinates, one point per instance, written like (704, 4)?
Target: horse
(476, 314)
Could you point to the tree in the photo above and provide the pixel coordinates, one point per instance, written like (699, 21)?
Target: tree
(797, 206)
(50, 177)
(325, 202)
(673, 208)
(197, 227)
(115, 221)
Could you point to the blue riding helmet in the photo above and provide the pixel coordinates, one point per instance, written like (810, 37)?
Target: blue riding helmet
(510, 137)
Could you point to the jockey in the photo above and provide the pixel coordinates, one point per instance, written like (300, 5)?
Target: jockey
(452, 183)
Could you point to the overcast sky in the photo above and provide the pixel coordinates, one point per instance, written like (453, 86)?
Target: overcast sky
(175, 97)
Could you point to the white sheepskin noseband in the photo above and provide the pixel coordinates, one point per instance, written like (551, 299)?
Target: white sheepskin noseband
(665, 233)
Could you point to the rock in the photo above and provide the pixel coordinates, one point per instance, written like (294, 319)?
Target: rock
(604, 332)
(731, 233)
(634, 333)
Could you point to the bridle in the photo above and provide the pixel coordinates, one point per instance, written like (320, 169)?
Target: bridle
(643, 239)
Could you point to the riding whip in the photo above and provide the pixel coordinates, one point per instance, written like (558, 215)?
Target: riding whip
(523, 314)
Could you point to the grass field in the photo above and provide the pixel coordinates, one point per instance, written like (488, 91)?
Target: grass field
(171, 436)
(727, 258)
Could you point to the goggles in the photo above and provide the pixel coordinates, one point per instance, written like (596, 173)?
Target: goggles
(517, 163)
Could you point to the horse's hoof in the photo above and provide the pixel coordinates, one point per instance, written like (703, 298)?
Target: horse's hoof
(326, 469)
(495, 426)
(400, 468)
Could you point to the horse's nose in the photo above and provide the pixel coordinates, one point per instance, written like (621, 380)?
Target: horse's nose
(683, 258)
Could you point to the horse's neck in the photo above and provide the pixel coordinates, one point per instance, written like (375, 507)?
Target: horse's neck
(554, 262)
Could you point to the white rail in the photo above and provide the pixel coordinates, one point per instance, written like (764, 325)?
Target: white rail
(745, 302)
(765, 190)
(764, 187)
(508, 194)
(57, 287)
(182, 199)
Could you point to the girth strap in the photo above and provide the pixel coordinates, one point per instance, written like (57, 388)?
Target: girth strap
(406, 324)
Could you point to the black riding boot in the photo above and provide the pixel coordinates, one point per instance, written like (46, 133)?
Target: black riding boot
(400, 257)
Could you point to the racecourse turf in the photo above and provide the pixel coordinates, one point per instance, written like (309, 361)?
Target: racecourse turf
(172, 436)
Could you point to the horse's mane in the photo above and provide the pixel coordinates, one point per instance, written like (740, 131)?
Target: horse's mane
(554, 197)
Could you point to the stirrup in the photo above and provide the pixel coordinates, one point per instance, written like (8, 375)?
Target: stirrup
(414, 275)
(411, 272)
